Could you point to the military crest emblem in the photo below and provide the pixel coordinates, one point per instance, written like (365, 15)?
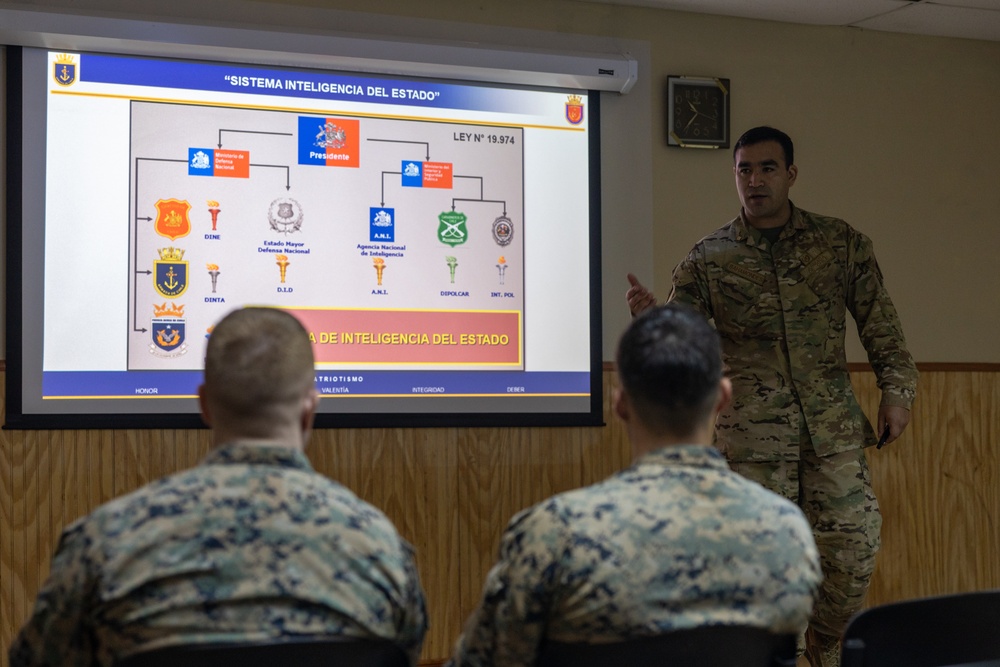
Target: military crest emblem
(285, 215)
(167, 330)
(170, 273)
(64, 69)
(574, 109)
(503, 230)
(452, 229)
(172, 218)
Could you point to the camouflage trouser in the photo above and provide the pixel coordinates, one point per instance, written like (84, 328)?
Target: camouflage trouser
(835, 493)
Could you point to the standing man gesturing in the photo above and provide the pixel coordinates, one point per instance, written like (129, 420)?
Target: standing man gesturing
(778, 282)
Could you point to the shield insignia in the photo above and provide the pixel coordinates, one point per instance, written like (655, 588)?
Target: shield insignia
(64, 70)
(172, 219)
(452, 229)
(170, 278)
(167, 330)
(168, 335)
(574, 109)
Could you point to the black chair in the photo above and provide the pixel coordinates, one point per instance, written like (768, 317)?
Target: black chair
(709, 646)
(946, 631)
(304, 652)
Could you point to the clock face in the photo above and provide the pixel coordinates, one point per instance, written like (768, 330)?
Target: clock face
(698, 113)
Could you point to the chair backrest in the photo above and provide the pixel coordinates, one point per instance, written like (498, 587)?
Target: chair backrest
(306, 652)
(943, 631)
(709, 646)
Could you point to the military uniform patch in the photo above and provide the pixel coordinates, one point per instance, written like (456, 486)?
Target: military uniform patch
(744, 272)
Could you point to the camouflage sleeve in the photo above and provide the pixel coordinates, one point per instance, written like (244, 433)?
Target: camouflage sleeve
(690, 284)
(879, 327)
(508, 626)
(412, 622)
(58, 632)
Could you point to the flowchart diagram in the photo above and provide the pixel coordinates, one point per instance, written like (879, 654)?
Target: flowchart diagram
(398, 242)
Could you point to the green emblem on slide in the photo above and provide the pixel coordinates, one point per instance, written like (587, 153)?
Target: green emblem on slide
(452, 229)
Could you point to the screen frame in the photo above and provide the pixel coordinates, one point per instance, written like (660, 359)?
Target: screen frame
(16, 368)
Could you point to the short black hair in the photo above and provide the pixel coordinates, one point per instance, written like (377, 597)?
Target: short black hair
(670, 364)
(764, 133)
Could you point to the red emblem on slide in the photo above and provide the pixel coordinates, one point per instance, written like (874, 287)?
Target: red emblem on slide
(574, 109)
(172, 218)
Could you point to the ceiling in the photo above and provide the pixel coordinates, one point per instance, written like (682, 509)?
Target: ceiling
(972, 19)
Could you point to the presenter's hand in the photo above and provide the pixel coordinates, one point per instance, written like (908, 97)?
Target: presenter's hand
(639, 298)
(896, 417)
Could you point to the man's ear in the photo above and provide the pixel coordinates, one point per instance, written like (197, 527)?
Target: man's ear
(310, 403)
(206, 414)
(793, 172)
(725, 395)
(620, 404)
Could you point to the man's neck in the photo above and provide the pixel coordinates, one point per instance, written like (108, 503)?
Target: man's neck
(288, 441)
(643, 442)
(779, 219)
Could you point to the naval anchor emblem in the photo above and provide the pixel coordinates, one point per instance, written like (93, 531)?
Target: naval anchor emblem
(170, 273)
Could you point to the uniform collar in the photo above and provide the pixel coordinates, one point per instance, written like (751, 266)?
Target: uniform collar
(257, 454)
(698, 456)
(743, 231)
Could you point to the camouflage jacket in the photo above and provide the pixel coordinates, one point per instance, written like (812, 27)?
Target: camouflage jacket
(676, 540)
(781, 313)
(250, 545)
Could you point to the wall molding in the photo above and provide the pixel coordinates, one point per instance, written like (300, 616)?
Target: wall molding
(923, 367)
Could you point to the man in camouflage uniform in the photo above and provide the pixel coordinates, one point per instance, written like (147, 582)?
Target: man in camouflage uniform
(778, 281)
(251, 545)
(673, 542)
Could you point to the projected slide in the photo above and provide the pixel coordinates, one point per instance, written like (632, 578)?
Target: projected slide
(397, 242)
(438, 239)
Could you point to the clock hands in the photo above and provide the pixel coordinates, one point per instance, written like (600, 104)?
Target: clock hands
(698, 113)
(693, 118)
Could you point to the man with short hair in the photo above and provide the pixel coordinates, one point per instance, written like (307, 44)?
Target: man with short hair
(777, 282)
(675, 541)
(250, 545)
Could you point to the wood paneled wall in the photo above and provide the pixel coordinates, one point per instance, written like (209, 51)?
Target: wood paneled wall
(451, 491)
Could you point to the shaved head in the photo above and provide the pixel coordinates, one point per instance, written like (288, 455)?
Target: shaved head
(258, 371)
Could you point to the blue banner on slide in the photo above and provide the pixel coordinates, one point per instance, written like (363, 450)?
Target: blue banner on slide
(234, 78)
(184, 384)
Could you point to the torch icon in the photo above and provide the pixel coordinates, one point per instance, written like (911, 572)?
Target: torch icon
(213, 272)
(282, 262)
(452, 264)
(213, 208)
(501, 267)
(379, 267)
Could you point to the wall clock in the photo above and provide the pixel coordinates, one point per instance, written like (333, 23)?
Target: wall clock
(697, 112)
